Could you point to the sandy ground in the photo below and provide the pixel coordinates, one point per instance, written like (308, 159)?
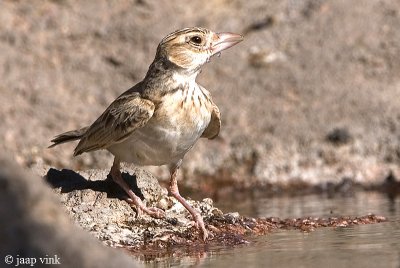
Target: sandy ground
(312, 94)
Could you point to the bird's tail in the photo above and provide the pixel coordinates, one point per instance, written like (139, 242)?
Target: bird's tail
(68, 136)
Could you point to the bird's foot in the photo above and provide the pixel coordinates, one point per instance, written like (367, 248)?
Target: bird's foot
(173, 188)
(199, 224)
(133, 199)
(151, 211)
(155, 212)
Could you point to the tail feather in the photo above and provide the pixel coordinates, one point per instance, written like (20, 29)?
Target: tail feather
(68, 136)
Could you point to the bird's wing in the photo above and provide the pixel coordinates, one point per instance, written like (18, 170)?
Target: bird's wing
(214, 126)
(126, 114)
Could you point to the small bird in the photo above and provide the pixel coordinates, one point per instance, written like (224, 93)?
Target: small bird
(157, 121)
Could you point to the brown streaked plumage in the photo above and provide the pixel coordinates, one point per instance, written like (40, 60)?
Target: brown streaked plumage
(157, 121)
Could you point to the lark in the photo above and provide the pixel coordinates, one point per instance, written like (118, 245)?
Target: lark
(157, 121)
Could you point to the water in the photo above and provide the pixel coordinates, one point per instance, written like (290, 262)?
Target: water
(375, 245)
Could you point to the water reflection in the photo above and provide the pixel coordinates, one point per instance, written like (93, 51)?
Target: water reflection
(315, 205)
(375, 245)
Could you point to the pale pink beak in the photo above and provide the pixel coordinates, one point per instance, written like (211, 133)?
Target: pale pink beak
(224, 41)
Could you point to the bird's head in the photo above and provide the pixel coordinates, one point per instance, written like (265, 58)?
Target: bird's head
(190, 48)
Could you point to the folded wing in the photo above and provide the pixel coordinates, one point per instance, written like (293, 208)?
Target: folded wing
(214, 126)
(126, 114)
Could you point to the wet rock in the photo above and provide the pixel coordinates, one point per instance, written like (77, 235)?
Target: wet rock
(390, 186)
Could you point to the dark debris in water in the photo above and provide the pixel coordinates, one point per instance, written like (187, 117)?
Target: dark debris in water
(310, 224)
(232, 230)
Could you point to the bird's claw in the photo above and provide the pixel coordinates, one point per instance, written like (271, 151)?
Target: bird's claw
(151, 211)
(155, 212)
(199, 224)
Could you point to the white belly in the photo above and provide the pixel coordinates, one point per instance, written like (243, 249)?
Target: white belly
(169, 134)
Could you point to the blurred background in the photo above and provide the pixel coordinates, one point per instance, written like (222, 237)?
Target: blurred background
(310, 98)
(310, 103)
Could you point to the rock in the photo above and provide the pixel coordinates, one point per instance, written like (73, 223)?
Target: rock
(97, 204)
(33, 224)
(339, 136)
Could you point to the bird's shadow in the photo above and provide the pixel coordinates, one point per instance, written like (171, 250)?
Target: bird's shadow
(68, 180)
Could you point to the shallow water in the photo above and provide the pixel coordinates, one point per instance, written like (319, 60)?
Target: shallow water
(374, 245)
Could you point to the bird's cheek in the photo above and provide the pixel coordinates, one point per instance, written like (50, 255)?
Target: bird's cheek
(180, 59)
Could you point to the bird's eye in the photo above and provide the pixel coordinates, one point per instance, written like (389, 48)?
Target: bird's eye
(196, 39)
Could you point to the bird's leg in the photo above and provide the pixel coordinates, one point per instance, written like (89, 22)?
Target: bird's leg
(173, 188)
(133, 199)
